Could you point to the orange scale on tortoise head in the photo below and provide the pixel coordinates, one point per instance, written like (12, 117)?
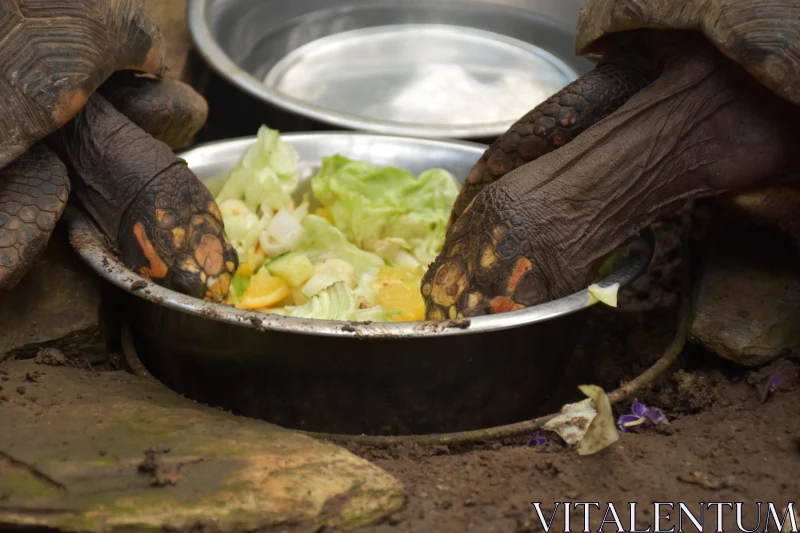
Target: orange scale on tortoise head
(522, 266)
(214, 292)
(165, 218)
(213, 209)
(225, 283)
(157, 268)
(209, 254)
(501, 304)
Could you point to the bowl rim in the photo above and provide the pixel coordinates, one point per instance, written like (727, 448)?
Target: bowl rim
(93, 250)
(219, 61)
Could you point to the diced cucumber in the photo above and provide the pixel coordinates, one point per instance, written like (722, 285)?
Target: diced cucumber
(295, 269)
(239, 284)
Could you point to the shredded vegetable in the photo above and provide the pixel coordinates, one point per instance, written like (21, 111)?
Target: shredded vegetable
(354, 249)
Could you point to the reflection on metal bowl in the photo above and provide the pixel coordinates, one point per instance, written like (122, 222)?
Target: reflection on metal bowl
(455, 69)
(352, 378)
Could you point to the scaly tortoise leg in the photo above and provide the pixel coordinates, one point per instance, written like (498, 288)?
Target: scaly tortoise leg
(148, 202)
(33, 194)
(554, 123)
(169, 110)
(703, 128)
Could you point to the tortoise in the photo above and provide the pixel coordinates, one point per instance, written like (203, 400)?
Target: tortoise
(85, 107)
(688, 100)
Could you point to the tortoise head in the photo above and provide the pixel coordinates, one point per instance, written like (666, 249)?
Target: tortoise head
(485, 266)
(175, 237)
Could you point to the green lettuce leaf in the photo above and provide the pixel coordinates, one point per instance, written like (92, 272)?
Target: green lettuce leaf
(321, 240)
(265, 176)
(372, 205)
(336, 302)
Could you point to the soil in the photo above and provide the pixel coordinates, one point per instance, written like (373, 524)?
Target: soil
(725, 442)
(728, 438)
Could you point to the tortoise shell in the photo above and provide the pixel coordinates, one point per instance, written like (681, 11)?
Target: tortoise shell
(56, 53)
(762, 37)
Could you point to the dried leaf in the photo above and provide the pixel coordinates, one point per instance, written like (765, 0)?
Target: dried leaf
(602, 431)
(589, 424)
(574, 420)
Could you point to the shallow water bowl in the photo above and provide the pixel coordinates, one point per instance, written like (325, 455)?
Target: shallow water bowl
(456, 69)
(349, 378)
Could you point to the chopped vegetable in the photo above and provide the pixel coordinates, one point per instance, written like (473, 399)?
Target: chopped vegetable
(356, 249)
(264, 291)
(265, 176)
(370, 204)
(371, 314)
(343, 270)
(335, 302)
(241, 223)
(295, 269)
(606, 295)
(319, 282)
(325, 213)
(282, 234)
(322, 240)
(398, 290)
(239, 284)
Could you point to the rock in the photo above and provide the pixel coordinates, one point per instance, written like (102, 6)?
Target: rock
(748, 293)
(57, 304)
(112, 452)
(50, 356)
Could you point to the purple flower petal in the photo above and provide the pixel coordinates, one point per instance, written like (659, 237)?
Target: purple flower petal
(655, 415)
(537, 439)
(638, 409)
(774, 381)
(627, 419)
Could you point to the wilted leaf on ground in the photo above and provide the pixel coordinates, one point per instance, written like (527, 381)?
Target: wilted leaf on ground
(587, 425)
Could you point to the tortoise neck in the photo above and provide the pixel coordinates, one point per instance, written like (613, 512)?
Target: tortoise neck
(111, 161)
(648, 51)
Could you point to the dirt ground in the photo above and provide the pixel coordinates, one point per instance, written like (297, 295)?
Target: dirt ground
(723, 441)
(722, 444)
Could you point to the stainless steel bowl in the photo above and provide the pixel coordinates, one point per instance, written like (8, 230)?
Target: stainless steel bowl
(445, 68)
(337, 377)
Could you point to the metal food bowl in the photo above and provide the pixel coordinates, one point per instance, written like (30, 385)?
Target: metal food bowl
(351, 378)
(455, 68)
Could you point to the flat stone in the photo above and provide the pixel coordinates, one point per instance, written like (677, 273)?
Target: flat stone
(57, 304)
(748, 293)
(88, 451)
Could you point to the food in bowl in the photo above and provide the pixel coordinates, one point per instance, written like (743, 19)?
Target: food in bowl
(353, 249)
